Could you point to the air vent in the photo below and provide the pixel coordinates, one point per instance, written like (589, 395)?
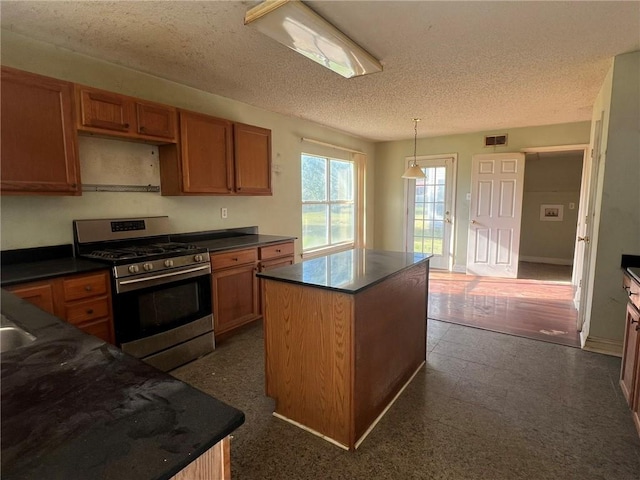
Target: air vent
(495, 140)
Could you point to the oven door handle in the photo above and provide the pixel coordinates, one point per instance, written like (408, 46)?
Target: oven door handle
(138, 283)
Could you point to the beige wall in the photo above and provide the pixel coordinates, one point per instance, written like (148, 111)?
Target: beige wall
(29, 221)
(391, 162)
(617, 222)
(550, 180)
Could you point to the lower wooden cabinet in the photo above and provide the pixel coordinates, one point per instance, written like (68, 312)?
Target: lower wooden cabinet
(630, 370)
(235, 287)
(235, 290)
(82, 300)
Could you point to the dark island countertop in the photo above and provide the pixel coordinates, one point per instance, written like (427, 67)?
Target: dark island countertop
(350, 271)
(74, 407)
(46, 269)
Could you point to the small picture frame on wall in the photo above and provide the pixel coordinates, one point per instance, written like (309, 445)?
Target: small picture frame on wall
(551, 213)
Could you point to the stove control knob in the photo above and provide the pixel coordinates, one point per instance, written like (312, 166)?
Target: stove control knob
(168, 263)
(147, 266)
(197, 258)
(133, 269)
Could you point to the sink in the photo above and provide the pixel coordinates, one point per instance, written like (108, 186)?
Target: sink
(12, 336)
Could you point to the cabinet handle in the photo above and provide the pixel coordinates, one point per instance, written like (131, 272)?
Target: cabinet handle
(126, 125)
(633, 321)
(234, 259)
(88, 288)
(278, 250)
(141, 128)
(90, 311)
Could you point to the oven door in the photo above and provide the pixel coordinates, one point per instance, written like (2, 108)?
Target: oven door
(154, 304)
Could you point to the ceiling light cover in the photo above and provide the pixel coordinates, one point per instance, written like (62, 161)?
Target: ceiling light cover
(414, 171)
(293, 24)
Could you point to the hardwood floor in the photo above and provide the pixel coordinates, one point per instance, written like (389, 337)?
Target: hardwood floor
(538, 309)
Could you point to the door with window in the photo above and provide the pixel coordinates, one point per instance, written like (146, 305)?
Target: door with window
(430, 211)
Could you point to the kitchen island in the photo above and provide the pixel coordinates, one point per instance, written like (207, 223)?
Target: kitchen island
(75, 407)
(344, 334)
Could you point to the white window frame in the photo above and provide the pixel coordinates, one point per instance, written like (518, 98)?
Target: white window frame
(358, 160)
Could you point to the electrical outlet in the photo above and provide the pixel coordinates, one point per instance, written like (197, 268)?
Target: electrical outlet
(572, 206)
(223, 212)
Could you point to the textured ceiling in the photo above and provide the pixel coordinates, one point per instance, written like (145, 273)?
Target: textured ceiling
(460, 66)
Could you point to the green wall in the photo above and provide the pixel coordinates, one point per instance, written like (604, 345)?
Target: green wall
(391, 162)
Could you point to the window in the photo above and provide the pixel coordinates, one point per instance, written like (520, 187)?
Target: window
(328, 202)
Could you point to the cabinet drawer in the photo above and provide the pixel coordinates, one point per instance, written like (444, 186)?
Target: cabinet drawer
(275, 251)
(231, 259)
(87, 310)
(98, 328)
(84, 287)
(39, 294)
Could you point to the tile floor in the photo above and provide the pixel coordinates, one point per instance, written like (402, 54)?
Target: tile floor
(487, 406)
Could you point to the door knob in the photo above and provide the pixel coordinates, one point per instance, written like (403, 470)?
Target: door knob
(584, 239)
(473, 222)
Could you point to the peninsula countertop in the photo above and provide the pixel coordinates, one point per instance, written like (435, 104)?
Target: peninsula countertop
(350, 271)
(74, 407)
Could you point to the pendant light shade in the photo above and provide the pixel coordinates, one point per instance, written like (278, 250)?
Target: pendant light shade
(414, 171)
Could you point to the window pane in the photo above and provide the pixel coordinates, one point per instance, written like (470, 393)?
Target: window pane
(341, 181)
(440, 175)
(440, 193)
(314, 179)
(430, 193)
(315, 231)
(342, 222)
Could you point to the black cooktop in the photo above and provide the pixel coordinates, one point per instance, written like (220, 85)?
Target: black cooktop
(143, 252)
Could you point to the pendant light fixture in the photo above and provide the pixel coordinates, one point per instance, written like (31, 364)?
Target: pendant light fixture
(414, 171)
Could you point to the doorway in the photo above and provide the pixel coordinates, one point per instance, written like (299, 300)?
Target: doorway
(430, 213)
(551, 200)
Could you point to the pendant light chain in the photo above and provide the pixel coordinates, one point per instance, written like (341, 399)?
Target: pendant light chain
(415, 140)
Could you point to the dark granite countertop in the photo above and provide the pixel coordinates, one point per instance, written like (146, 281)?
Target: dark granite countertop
(350, 271)
(74, 407)
(46, 269)
(233, 242)
(30, 265)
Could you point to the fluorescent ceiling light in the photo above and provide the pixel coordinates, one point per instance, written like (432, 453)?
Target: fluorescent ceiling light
(293, 24)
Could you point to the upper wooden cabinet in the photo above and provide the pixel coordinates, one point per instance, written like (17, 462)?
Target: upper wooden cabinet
(112, 114)
(39, 145)
(216, 157)
(252, 155)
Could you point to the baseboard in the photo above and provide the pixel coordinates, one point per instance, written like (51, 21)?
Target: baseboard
(460, 268)
(549, 260)
(603, 345)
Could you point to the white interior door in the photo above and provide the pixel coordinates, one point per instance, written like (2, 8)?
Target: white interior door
(430, 213)
(585, 228)
(494, 215)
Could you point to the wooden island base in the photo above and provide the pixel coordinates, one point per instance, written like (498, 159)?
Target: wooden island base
(335, 361)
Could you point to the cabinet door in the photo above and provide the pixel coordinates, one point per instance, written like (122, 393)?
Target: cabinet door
(39, 143)
(628, 379)
(39, 294)
(104, 110)
(252, 152)
(156, 120)
(207, 155)
(235, 297)
(635, 408)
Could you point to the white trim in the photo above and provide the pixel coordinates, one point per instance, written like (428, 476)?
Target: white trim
(325, 144)
(460, 269)
(310, 430)
(602, 345)
(323, 251)
(548, 260)
(557, 148)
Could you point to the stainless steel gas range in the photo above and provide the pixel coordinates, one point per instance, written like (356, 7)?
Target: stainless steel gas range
(161, 289)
